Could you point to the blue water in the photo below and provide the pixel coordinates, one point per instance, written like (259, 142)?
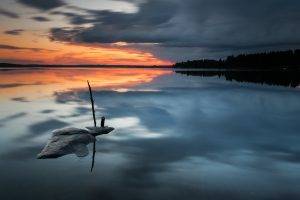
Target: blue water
(176, 137)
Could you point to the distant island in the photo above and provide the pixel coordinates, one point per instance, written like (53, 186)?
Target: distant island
(289, 60)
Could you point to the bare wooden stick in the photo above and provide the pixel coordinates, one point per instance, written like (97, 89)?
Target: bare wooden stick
(92, 102)
(95, 124)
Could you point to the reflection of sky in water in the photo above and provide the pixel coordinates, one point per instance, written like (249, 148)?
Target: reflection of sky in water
(176, 137)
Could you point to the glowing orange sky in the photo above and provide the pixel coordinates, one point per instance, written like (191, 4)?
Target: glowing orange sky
(34, 45)
(44, 51)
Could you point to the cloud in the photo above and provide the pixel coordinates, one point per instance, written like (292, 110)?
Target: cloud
(40, 19)
(14, 32)
(21, 61)
(11, 85)
(42, 5)
(7, 13)
(140, 27)
(190, 27)
(11, 47)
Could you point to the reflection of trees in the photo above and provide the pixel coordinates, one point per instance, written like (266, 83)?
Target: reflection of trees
(271, 60)
(288, 78)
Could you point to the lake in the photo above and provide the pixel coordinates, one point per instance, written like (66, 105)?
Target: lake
(175, 137)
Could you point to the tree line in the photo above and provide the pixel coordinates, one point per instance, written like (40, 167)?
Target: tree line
(268, 60)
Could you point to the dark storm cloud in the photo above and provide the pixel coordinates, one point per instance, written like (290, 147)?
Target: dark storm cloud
(110, 27)
(42, 5)
(209, 26)
(66, 14)
(11, 85)
(40, 19)
(10, 47)
(14, 32)
(17, 48)
(7, 13)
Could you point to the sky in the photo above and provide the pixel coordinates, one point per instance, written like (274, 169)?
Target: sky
(143, 32)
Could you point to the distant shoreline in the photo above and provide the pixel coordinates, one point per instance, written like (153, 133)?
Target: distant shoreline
(285, 60)
(11, 65)
(175, 69)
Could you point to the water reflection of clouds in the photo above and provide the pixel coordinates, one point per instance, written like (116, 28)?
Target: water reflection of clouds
(17, 84)
(20, 99)
(38, 129)
(12, 117)
(207, 140)
(130, 128)
(47, 111)
(21, 153)
(210, 122)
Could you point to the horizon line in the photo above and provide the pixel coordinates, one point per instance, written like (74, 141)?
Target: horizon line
(78, 65)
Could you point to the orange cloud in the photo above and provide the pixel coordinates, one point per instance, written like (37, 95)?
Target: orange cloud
(72, 54)
(35, 47)
(49, 52)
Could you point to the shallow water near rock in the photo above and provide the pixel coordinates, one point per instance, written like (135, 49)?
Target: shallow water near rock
(175, 137)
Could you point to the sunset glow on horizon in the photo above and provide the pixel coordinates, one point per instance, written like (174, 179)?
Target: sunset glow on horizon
(71, 54)
(143, 32)
(25, 37)
(38, 49)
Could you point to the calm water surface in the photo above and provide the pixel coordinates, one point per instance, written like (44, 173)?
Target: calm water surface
(176, 137)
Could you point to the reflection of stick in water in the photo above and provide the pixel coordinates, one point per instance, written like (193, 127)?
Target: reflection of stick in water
(73, 140)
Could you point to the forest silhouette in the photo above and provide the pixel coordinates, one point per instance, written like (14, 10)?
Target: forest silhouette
(269, 60)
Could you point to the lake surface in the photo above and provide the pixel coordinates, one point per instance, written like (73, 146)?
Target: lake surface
(176, 136)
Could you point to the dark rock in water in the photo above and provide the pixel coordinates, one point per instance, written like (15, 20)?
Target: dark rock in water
(95, 131)
(67, 141)
(71, 140)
